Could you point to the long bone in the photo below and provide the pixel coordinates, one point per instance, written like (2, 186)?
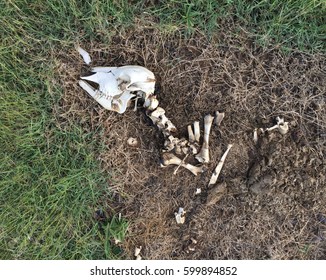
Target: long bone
(219, 166)
(169, 158)
(197, 131)
(203, 155)
(191, 135)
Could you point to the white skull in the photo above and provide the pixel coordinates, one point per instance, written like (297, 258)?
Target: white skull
(117, 83)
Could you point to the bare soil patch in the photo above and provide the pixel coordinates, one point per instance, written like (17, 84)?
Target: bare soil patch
(275, 204)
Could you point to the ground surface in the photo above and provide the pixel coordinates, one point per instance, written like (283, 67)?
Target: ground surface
(281, 217)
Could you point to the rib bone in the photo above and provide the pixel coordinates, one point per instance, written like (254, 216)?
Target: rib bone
(203, 155)
(169, 158)
(219, 166)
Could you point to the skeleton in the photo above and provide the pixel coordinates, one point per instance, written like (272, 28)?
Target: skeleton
(118, 86)
(203, 155)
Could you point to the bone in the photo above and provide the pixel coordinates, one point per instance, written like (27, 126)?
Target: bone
(132, 142)
(176, 170)
(158, 117)
(219, 117)
(104, 101)
(137, 251)
(171, 159)
(197, 131)
(191, 135)
(85, 55)
(282, 126)
(203, 155)
(219, 166)
(151, 103)
(255, 135)
(180, 216)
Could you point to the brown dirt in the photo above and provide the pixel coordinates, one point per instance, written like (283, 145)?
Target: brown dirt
(275, 204)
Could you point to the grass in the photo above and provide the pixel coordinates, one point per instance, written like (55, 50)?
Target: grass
(51, 184)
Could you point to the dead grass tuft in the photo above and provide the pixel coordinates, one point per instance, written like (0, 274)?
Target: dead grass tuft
(252, 86)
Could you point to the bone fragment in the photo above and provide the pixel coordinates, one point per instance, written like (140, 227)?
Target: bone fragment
(219, 117)
(255, 135)
(197, 131)
(85, 55)
(137, 251)
(219, 166)
(198, 191)
(138, 258)
(169, 158)
(282, 126)
(191, 135)
(203, 155)
(132, 142)
(180, 216)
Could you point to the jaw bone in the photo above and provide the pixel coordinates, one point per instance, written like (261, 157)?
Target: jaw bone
(169, 158)
(118, 105)
(203, 155)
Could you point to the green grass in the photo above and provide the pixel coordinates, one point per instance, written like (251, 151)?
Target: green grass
(50, 182)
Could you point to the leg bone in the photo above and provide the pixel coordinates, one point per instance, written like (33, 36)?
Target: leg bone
(203, 155)
(169, 158)
(219, 166)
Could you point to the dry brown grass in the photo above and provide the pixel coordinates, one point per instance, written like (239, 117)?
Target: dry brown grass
(252, 86)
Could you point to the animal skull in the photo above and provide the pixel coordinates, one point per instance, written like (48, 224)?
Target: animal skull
(116, 85)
